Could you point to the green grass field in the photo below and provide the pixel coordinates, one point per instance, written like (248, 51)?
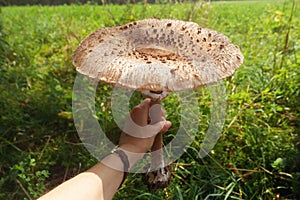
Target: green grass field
(258, 154)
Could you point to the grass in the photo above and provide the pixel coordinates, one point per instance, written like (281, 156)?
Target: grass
(257, 156)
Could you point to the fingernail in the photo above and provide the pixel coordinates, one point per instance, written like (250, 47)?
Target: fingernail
(168, 124)
(146, 101)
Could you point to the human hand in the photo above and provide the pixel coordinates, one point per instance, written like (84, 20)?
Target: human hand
(139, 135)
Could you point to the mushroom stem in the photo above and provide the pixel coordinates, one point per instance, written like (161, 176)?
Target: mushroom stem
(155, 116)
(158, 175)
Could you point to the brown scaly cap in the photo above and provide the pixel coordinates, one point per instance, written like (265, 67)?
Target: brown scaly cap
(157, 55)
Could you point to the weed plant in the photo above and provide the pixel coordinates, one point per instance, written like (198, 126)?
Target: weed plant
(258, 154)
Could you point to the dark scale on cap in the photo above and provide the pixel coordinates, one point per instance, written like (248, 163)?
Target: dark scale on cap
(172, 71)
(199, 30)
(169, 24)
(197, 76)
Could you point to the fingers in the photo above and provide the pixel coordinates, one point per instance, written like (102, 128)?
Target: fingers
(137, 123)
(161, 126)
(145, 104)
(166, 126)
(139, 113)
(144, 113)
(147, 131)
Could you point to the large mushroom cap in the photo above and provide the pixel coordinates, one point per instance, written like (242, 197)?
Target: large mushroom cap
(157, 55)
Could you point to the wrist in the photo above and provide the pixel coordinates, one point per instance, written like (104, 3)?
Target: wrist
(133, 154)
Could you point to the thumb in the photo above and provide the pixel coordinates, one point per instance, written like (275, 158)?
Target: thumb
(167, 125)
(161, 127)
(145, 104)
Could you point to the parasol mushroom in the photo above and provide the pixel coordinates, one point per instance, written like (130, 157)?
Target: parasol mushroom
(157, 56)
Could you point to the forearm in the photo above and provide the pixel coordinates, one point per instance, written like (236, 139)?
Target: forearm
(109, 180)
(99, 182)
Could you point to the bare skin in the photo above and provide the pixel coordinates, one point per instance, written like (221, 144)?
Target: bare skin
(102, 181)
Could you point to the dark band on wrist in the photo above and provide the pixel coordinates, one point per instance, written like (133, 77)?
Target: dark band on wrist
(125, 162)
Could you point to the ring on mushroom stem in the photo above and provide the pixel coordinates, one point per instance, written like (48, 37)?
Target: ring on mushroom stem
(155, 95)
(156, 92)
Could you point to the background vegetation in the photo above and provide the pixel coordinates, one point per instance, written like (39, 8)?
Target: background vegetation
(80, 2)
(258, 155)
